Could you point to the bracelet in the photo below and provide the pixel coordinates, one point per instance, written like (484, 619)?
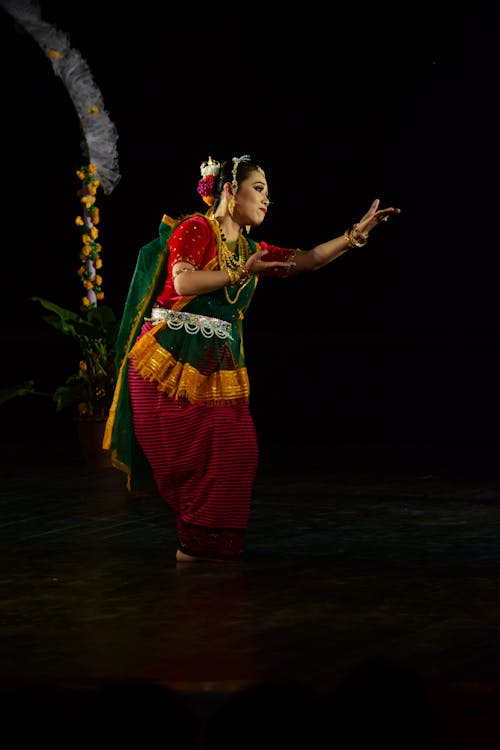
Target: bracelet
(238, 276)
(351, 239)
(244, 275)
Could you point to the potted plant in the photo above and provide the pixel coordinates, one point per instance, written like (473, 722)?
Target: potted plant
(94, 329)
(89, 390)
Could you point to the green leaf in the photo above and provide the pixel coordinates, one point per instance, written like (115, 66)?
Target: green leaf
(22, 389)
(65, 395)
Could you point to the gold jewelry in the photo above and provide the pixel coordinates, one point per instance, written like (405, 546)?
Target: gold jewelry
(351, 239)
(385, 218)
(234, 181)
(233, 260)
(243, 274)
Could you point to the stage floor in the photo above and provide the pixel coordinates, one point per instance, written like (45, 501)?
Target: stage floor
(354, 555)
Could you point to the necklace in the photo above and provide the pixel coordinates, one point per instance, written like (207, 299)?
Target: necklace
(233, 257)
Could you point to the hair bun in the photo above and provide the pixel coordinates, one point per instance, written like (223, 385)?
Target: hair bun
(206, 186)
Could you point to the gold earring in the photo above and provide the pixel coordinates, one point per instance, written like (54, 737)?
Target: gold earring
(248, 228)
(230, 206)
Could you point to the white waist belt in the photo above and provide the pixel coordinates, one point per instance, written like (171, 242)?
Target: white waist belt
(191, 322)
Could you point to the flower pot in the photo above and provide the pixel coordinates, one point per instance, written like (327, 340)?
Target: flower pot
(90, 436)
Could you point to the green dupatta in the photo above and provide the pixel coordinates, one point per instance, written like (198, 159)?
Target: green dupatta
(119, 437)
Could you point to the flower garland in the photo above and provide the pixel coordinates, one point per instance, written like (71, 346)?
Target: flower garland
(90, 250)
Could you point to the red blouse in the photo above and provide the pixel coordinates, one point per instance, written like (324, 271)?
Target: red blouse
(193, 241)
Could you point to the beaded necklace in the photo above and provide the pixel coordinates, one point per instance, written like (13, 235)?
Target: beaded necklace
(231, 255)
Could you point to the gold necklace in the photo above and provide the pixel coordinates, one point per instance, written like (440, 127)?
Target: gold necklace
(233, 259)
(233, 254)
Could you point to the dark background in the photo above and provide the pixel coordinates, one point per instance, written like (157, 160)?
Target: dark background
(395, 342)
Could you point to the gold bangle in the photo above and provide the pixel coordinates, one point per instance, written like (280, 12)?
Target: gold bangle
(244, 275)
(351, 239)
(232, 277)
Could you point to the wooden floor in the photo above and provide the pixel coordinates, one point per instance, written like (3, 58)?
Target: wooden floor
(355, 555)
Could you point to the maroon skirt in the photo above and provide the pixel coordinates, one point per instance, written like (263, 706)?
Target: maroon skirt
(204, 461)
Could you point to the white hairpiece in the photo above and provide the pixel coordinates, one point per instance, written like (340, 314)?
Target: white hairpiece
(212, 166)
(236, 161)
(245, 157)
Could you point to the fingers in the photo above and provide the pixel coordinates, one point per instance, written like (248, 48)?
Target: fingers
(386, 213)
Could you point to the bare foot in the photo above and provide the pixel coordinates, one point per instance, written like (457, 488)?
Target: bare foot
(182, 557)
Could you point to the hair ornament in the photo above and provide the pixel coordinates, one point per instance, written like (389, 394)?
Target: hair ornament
(236, 161)
(206, 186)
(245, 157)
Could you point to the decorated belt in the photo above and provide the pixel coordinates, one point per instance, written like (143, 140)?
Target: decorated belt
(191, 322)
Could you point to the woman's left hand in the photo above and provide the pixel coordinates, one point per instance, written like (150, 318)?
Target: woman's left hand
(374, 216)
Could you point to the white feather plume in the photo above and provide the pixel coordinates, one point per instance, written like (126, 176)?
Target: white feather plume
(100, 133)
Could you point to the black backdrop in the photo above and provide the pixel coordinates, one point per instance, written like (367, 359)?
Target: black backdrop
(395, 342)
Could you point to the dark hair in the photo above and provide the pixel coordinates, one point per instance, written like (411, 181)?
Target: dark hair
(243, 170)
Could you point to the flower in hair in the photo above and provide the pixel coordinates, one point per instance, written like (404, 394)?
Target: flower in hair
(206, 186)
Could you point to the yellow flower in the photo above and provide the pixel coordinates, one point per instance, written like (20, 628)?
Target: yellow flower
(89, 253)
(93, 110)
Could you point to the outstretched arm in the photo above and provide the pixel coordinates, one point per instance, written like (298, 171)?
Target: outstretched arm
(324, 253)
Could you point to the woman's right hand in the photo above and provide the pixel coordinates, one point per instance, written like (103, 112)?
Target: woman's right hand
(256, 265)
